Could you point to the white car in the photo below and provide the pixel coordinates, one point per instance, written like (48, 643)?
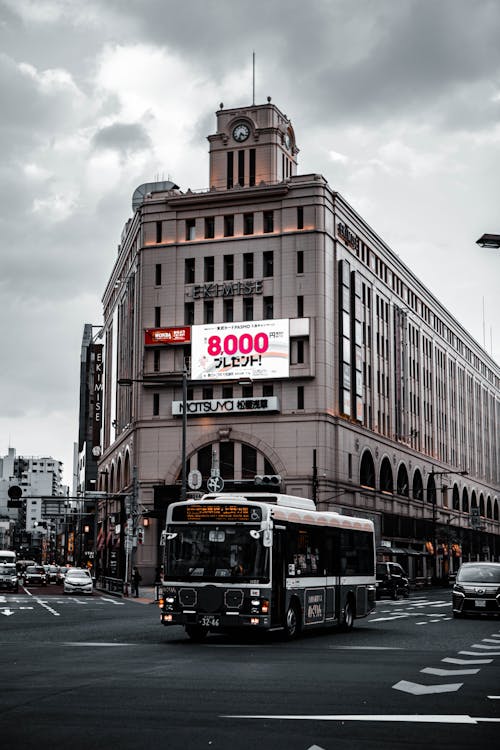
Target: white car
(78, 581)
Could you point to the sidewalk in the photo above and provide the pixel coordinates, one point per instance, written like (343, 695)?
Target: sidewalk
(147, 595)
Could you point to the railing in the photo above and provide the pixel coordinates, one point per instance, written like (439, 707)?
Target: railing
(112, 585)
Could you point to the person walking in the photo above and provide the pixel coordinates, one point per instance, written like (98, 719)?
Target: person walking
(136, 579)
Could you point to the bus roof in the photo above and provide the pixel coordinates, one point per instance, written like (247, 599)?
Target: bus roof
(272, 498)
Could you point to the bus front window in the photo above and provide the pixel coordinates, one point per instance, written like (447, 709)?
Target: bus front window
(215, 552)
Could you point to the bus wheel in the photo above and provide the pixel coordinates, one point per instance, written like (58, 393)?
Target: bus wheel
(347, 620)
(292, 622)
(197, 633)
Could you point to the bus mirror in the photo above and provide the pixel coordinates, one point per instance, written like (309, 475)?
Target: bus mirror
(254, 533)
(163, 538)
(268, 538)
(170, 536)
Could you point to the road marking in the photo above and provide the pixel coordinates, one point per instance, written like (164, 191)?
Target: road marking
(40, 602)
(385, 619)
(92, 644)
(113, 601)
(7, 612)
(491, 640)
(480, 645)
(406, 718)
(416, 688)
(478, 653)
(366, 648)
(448, 672)
(494, 697)
(450, 660)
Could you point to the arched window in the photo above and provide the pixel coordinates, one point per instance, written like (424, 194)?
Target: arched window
(126, 470)
(386, 480)
(465, 500)
(112, 487)
(367, 471)
(473, 499)
(431, 489)
(456, 498)
(481, 504)
(119, 475)
(488, 508)
(403, 486)
(495, 510)
(418, 486)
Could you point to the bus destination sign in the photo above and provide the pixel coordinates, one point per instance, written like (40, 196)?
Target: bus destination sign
(224, 513)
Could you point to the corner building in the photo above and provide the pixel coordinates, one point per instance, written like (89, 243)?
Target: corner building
(380, 403)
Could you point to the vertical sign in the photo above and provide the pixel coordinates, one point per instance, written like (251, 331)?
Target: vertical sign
(97, 371)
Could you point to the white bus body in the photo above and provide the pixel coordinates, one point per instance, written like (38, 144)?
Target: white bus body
(265, 561)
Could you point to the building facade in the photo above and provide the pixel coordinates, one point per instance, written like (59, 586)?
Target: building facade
(310, 352)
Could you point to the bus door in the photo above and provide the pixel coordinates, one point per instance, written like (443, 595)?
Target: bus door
(332, 579)
(278, 577)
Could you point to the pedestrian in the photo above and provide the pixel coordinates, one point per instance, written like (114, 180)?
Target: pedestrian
(136, 579)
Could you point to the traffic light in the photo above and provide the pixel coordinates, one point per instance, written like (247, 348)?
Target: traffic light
(140, 535)
(268, 480)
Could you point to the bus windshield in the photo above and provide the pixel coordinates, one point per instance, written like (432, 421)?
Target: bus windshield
(214, 552)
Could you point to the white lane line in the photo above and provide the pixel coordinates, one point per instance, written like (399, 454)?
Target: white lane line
(113, 601)
(494, 697)
(416, 688)
(450, 660)
(491, 640)
(403, 718)
(480, 645)
(42, 604)
(424, 622)
(442, 604)
(386, 619)
(366, 648)
(478, 653)
(93, 644)
(448, 672)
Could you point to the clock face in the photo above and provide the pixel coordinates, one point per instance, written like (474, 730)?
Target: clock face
(241, 132)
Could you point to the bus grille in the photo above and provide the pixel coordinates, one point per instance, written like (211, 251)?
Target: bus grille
(210, 599)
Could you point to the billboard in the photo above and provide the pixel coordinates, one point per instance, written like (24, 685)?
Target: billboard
(255, 349)
(156, 336)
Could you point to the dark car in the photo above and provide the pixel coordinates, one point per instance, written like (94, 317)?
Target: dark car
(34, 575)
(8, 578)
(51, 572)
(391, 580)
(477, 589)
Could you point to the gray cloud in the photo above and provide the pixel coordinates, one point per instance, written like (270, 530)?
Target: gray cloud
(122, 137)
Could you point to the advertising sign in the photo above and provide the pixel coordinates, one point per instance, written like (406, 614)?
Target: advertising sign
(255, 349)
(162, 336)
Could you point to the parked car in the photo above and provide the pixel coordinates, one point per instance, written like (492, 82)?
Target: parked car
(34, 575)
(8, 578)
(477, 589)
(391, 580)
(78, 581)
(51, 572)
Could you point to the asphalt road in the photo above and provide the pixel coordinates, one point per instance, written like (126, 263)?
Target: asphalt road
(101, 672)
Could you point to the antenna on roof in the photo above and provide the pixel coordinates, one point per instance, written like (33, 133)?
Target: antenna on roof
(253, 79)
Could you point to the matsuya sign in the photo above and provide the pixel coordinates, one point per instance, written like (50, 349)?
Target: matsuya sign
(226, 406)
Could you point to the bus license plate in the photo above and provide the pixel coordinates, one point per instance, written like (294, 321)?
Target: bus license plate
(210, 621)
(480, 602)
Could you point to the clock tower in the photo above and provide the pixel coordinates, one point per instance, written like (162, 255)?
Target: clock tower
(252, 145)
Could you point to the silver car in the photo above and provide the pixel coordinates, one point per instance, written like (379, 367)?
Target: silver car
(78, 581)
(477, 589)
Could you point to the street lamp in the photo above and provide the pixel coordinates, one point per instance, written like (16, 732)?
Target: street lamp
(184, 381)
(489, 240)
(433, 474)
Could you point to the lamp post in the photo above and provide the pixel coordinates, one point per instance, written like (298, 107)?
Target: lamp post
(162, 382)
(433, 474)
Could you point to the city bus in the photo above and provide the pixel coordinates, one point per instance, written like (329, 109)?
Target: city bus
(264, 561)
(7, 556)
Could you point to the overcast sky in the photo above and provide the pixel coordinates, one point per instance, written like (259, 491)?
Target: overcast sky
(396, 102)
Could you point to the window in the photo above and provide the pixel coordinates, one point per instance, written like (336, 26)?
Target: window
(300, 397)
(268, 221)
(300, 261)
(209, 227)
(241, 168)
(190, 229)
(227, 391)
(156, 404)
(297, 352)
(251, 180)
(248, 462)
(247, 223)
(156, 360)
(189, 314)
(300, 306)
(208, 311)
(157, 316)
(158, 274)
(247, 308)
(268, 308)
(228, 226)
(207, 392)
(247, 391)
(300, 217)
(189, 271)
(267, 390)
(268, 263)
(158, 232)
(228, 310)
(209, 268)
(228, 267)
(248, 265)
(229, 176)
